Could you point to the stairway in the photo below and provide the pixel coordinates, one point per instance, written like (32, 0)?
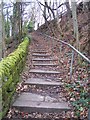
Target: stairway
(42, 102)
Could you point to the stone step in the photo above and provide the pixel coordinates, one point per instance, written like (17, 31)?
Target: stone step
(44, 59)
(30, 118)
(45, 64)
(44, 52)
(29, 102)
(38, 71)
(40, 48)
(45, 82)
(40, 55)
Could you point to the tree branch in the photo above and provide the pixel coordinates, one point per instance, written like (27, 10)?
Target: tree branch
(50, 7)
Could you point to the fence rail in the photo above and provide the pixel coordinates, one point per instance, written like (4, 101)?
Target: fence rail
(73, 48)
(73, 52)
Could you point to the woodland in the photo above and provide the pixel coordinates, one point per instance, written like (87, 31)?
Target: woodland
(31, 30)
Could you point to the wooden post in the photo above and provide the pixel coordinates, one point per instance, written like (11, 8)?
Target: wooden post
(71, 67)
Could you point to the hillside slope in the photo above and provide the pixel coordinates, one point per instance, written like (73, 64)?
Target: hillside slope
(66, 26)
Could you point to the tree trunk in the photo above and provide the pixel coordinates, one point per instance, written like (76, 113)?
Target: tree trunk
(75, 24)
(0, 32)
(21, 19)
(44, 14)
(3, 35)
(68, 8)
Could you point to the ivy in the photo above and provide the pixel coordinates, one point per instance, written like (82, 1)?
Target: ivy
(80, 96)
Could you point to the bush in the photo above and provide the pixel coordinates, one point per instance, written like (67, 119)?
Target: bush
(10, 69)
(30, 26)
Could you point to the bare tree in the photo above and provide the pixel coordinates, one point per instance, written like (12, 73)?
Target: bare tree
(50, 9)
(16, 20)
(0, 31)
(68, 8)
(58, 22)
(3, 34)
(1, 56)
(75, 23)
(44, 14)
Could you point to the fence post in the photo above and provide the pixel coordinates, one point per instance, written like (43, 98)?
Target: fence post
(52, 47)
(71, 67)
(61, 47)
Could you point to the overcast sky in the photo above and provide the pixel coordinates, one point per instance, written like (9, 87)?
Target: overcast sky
(40, 0)
(39, 17)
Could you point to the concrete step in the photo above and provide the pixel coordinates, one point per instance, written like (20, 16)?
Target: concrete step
(44, 59)
(40, 52)
(45, 64)
(38, 71)
(31, 118)
(29, 102)
(40, 55)
(40, 82)
(40, 49)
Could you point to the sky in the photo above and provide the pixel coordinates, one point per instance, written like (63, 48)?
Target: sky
(40, 0)
(39, 17)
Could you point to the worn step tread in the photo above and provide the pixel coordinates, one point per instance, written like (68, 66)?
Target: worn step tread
(30, 102)
(45, 82)
(40, 49)
(44, 52)
(43, 71)
(45, 64)
(40, 55)
(44, 59)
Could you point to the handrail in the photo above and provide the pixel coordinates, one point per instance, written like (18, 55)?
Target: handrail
(83, 56)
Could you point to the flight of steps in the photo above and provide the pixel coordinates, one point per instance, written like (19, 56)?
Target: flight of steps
(33, 102)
